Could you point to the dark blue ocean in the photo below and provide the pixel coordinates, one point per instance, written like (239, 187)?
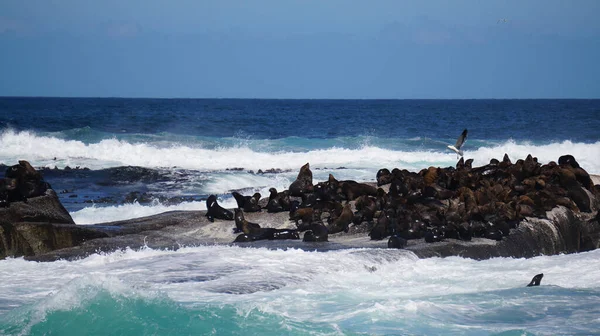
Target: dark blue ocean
(112, 158)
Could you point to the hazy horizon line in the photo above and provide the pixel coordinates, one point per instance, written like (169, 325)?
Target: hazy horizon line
(271, 98)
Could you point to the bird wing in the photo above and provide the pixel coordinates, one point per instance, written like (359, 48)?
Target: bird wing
(461, 139)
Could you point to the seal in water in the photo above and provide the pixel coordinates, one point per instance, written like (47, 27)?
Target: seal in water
(214, 210)
(536, 280)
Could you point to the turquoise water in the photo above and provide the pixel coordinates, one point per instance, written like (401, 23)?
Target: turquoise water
(224, 290)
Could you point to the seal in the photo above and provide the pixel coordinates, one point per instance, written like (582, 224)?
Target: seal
(343, 221)
(286, 234)
(381, 228)
(568, 160)
(243, 238)
(255, 232)
(433, 235)
(384, 176)
(365, 209)
(242, 225)
(9, 192)
(303, 183)
(303, 218)
(278, 202)
(214, 210)
(396, 241)
(349, 190)
(247, 203)
(317, 233)
(26, 182)
(536, 280)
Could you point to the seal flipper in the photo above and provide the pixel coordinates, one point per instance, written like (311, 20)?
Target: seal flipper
(536, 280)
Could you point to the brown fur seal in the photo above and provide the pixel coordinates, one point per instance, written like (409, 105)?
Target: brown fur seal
(350, 190)
(365, 209)
(242, 225)
(302, 217)
(303, 183)
(342, 222)
(255, 232)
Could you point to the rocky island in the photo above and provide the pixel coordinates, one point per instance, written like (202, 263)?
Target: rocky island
(502, 209)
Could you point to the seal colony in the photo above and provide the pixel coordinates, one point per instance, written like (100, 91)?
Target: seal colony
(519, 209)
(434, 205)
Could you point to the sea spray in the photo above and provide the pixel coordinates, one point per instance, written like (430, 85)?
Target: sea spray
(233, 289)
(42, 151)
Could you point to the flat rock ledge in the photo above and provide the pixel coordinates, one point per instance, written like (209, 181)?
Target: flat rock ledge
(563, 232)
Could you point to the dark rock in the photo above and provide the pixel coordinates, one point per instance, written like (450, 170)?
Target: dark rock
(38, 226)
(35, 238)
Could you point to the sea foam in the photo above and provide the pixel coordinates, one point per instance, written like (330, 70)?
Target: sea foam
(50, 151)
(357, 290)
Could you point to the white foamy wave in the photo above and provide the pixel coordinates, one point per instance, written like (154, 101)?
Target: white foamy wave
(42, 151)
(295, 280)
(369, 288)
(588, 155)
(100, 214)
(222, 183)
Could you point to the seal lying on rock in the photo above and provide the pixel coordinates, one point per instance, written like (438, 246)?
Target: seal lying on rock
(253, 231)
(21, 182)
(347, 189)
(214, 210)
(397, 242)
(316, 233)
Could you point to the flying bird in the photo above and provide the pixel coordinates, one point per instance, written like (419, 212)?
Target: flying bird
(502, 21)
(459, 142)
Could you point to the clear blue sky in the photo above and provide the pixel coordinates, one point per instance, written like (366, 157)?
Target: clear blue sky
(301, 48)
